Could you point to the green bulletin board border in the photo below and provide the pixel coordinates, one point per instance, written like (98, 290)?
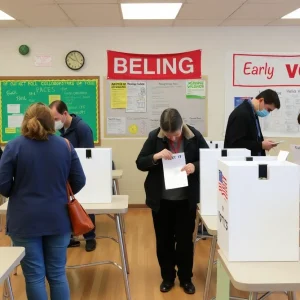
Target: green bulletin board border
(58, 78)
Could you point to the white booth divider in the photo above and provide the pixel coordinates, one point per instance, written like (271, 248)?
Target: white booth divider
(258, 210)
(209, 177)
(215, 144)
(97, 166)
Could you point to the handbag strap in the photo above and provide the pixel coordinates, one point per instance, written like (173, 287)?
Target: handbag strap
(69, 189)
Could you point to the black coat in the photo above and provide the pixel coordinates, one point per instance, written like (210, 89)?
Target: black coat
(154, 184)
(241, 131)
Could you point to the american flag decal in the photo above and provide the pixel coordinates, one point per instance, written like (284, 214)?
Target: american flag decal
(223, 185)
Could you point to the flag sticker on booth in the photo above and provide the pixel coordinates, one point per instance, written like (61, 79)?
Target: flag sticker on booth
(223, 185)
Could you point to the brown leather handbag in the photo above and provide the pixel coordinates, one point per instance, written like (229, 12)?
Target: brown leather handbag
(80, 220)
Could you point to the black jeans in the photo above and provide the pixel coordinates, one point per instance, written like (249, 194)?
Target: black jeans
(174, 225)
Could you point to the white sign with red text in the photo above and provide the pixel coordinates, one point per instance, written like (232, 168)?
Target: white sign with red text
(178, 66)
(248, 74)
(258, 70)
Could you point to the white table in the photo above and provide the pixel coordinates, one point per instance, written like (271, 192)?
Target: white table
(259, 277)
(211, 224)
(116, 208)
(10, 257)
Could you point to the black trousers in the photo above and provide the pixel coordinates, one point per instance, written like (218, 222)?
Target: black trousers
(174, 225)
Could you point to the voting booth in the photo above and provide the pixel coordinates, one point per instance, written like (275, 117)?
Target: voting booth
(209, 176)
(258, 210)
(215, 144)
(97, 166)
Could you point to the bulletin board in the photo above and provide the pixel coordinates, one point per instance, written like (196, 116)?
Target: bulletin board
(248, 74)
(133, 107)
(81, 94)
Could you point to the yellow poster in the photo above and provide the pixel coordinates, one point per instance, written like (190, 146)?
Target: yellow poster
(53, 98)
(118, 95)
(133, 129)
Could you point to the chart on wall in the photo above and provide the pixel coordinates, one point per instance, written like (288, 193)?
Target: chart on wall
(250, 73)
(81, 94)
(133, 107)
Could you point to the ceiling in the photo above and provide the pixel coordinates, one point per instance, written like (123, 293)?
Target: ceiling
(102, 13)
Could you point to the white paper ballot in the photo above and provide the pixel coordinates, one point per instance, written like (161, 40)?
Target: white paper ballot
(282, 156)
(174, 177)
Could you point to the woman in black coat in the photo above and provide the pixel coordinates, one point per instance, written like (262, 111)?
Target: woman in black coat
(173, 210)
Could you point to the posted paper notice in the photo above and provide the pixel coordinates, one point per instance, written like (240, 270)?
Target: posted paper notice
(296, 153)
(195, 89)
(15, 121)
(136, 97)
(13, 108)
(118, 94)
(174, 177)
(116, 125)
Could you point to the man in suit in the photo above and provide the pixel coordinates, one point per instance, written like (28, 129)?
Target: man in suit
(243, 128)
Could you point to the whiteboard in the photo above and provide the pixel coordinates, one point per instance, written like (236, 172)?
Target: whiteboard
(98, 172)
(280, 123)
(159, 95)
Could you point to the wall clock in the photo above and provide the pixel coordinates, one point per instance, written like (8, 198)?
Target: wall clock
(75, 60)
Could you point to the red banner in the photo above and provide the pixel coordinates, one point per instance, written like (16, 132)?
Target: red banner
(126, 66)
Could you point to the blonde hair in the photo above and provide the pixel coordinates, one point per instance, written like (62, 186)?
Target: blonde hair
(38, 122)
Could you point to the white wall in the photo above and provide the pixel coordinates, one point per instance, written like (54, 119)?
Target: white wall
(94, 42)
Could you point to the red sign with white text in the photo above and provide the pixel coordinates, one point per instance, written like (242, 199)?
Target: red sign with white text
(266, 70)
(126, 66)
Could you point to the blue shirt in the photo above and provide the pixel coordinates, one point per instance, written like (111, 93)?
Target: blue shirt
(33, 174)
(256, 122)
(79, 133)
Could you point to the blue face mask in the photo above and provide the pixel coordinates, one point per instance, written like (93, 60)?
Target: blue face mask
(262, 113)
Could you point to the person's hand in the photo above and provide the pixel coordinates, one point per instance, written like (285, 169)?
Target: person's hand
(164, 154)
(268, 145)
(189, 169)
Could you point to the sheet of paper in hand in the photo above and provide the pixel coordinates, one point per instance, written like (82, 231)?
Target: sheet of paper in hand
(174, 177)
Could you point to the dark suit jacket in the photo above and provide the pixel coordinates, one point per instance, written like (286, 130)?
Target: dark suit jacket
(241, 131)
(156, 142)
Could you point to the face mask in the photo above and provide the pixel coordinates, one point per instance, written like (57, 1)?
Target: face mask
(262, 113)
(59, 125)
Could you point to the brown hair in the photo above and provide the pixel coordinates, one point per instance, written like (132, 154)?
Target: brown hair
(38, 122)
(170, 120)
(60, 106)
(298, 118)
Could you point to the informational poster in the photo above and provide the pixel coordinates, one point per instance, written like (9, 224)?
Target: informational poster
(240, 100)
(146, 100)
(248, 74)
(136, 97)
(118, 95)
(195, 89)
(116, 125)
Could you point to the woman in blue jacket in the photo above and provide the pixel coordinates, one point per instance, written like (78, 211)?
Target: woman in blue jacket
(34, 170)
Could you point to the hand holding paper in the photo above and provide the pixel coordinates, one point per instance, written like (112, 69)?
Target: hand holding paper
(189, 169)
(173, 174)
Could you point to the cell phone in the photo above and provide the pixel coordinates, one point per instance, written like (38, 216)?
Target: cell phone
(277, 143)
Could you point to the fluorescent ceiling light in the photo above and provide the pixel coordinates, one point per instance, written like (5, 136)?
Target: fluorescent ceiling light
(4, 16)
(293, 15)
(150, 11)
